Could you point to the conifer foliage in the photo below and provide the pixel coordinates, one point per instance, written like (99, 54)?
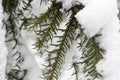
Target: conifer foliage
(46, 27)
(11, 24)
(11, 36)
(91, 55)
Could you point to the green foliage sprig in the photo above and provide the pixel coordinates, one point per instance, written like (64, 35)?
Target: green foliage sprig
(92, 53)
(53, 20)
(62, 45)
(46, 25)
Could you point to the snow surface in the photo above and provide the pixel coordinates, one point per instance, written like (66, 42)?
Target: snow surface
(3, 49)
(100, 16)
(97, 14)
(37, 9)
(3, 53)
(30, 64)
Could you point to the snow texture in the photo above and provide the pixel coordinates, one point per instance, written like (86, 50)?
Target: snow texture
(97, 14)
(29, 63)
(67, 4)
(37, 9)
(100, 16)
(3, 49)
(33, 70)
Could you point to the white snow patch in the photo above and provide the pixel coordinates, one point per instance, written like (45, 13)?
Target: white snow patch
(101, 16)
(3, 49)
(96, 15)
(110, 41)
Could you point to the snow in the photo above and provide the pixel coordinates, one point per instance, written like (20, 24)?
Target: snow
(29, 38)
(110, 41)
(29, 63)
(100, 16)
(67, 74)
(3, 54)
(3, 49)
(67, 4)
(67, 70)
(37, 9)
(95, 16)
